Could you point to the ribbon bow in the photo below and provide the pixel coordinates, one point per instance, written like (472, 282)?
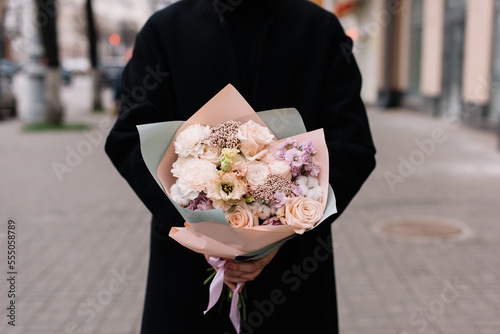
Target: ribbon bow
(216, 291)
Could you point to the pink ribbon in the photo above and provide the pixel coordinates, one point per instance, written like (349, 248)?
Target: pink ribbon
(216, 291)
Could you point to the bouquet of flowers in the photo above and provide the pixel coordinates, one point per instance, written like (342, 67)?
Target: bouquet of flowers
(242, 169)
(244, 183)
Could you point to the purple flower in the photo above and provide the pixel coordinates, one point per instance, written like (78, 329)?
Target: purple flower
(313, 168)
(308, 148)
(288, 144)
(294, 157)
(200, 203)
(273, 221)
(279, 200)
(296, 190)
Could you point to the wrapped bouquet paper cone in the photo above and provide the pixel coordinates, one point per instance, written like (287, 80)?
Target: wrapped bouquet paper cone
(208, 232)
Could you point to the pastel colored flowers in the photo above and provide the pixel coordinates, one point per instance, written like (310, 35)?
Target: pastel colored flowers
(242, 169)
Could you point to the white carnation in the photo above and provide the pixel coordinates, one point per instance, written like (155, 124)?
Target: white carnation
(194, 174)
(178, 167)
(182, 194)
(191, 141)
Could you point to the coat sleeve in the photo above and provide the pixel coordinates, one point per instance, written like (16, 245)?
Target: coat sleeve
(147, 97)
(344, 119)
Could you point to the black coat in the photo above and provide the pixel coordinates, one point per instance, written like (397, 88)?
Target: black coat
(282, 53)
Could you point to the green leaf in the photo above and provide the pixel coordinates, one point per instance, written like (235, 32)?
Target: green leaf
(249, 200)
(212, 275)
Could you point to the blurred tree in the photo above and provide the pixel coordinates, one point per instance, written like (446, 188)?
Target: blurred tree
(3, 10)
(93, 38)
(47, 19)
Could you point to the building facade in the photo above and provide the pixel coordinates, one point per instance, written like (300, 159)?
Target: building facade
(438, 56)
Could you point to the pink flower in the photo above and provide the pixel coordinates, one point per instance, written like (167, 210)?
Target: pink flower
(279, 200)
(273, 221)
(200, 203)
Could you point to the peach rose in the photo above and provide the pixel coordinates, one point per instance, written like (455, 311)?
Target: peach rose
(254, 139)
(241, 217)
(301, 213)
(271, 149)
(281, 168)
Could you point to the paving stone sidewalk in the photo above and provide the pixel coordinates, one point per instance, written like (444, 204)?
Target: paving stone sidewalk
(82, 236)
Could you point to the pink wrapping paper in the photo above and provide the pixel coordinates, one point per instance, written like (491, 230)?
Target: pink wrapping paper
(214, 238)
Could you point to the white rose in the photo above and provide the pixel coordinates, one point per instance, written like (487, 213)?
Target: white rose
(190, 142)
(211, 153)
(281, 168)
(301, 213)
(257, 173)
(254, 139)
(241, 217)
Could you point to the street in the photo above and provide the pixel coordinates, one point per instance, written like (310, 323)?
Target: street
(82, 236)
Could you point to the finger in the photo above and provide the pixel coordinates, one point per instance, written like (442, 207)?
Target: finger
(242, 278)
(242, 274)
(245, 267)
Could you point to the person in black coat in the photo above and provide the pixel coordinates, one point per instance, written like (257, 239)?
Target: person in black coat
(277, 53)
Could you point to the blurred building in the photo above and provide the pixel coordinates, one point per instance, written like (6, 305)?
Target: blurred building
(112, 16)
(438, 56)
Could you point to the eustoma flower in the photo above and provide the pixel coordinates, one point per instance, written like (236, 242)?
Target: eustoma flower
(226, 188)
